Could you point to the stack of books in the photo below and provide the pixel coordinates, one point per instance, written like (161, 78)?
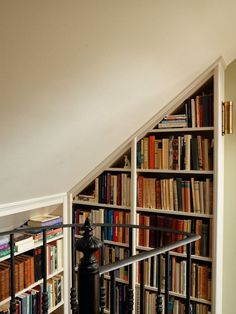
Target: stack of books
(174, 121)
(23, 242)
(4, 246)
(44, 221)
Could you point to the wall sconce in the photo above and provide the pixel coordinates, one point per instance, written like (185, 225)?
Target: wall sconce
(227, 117)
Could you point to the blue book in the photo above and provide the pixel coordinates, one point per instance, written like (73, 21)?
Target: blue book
(23, 300)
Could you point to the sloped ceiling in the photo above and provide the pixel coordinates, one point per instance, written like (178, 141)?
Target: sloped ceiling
(77, 78)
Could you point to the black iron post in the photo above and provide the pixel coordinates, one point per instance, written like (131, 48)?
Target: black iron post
(188, 309)
(73, 301)
(167, 257)
(102, 287)
(13, 300)
(142, 287)
(45, 293)
(88, 272)
(159, 305)
(130, 287)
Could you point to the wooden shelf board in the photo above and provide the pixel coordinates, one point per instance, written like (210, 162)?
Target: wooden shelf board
(118, 169)
(178, 295)
(56, 307)
(173, 212)
(116, 243)
(199, 172)
(101, 205)
(170, 130)
(117, 279)
(194, 257)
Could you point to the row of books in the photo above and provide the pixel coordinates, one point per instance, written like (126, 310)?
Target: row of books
(113, 254)
(116, 234)
(185, 152)
(55, 290)
(176, 194)
(200, 280)
(121, 296)
(94, 215)
(54, 256)
(31, 300)
(24, 274)
(28, 268)
(152, 238)
(198, 113)
(27, 240)
(109, 216)
(113, 189)
(110, 189)
(175, 306)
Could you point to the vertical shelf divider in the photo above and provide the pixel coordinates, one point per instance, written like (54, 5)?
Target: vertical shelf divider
(133, 207)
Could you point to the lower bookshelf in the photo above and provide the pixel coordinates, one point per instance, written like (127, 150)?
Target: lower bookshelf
(37, 283)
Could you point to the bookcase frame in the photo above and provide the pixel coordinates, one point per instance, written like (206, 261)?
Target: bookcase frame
(39, 206)
(216, 70)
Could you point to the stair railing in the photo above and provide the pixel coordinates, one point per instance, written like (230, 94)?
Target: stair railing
(91, 295)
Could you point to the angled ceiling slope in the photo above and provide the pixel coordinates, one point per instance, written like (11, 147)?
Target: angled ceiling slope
(170, 107)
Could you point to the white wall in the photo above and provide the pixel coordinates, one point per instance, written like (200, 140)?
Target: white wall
(78, 77)
(229, 273)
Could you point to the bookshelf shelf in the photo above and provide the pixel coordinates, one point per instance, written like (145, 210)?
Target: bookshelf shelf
(178, 172)
(101, 205)
(116, 243)
(117, 279)
(178, 295)
(181, 130)
(56, 307)
(182, 255)
(172, 212)
(118, 169)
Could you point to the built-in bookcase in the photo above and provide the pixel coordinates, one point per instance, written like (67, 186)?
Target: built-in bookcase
(28, 259)
(173, 178)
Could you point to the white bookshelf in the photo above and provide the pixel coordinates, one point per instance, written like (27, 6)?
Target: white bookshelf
(216, 71)
(15, 214)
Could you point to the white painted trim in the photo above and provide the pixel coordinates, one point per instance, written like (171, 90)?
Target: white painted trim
(21, 206)
(217, 266)
(133, 212)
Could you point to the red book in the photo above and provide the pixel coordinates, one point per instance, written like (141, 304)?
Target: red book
(152, 152)
(140, 191)
(141, 231)
(180, 227)
(115, 229)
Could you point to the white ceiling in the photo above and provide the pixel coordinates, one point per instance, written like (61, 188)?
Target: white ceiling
(77, 78)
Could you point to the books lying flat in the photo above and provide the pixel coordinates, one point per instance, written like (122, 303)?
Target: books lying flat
(4, 239)
(45, 220)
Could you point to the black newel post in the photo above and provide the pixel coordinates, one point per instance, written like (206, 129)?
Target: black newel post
(88, 291)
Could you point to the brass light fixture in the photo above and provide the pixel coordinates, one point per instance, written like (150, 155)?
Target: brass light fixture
(227, 117)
